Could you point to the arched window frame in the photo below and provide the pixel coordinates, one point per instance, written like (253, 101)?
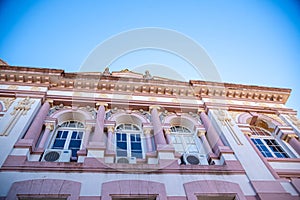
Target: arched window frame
(127, 136)
(68, 135)
(267, 144)
(184, 137)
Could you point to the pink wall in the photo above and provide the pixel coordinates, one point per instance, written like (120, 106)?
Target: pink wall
(212, 187)
(45, 188)
(133, 188)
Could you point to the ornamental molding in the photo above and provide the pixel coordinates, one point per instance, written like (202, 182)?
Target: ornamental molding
(7, 102)
(22, 107)
(135, 83)
(294, 120)
(225, 119)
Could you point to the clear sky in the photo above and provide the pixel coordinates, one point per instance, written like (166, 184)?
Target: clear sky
(253, 42)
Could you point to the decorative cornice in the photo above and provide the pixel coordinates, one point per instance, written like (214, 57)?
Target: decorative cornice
(114, 83)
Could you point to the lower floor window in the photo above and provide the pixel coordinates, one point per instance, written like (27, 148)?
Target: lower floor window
(129, 145)
(128, 141)
(269, 148)
(68, 139)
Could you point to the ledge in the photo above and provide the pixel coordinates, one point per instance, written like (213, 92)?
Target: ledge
(20, 163)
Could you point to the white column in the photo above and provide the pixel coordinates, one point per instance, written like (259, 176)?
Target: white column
(147, 133)
(110, 139)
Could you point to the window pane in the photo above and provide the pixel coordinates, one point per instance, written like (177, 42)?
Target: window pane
(59, 144)
(122, 145)
(79, 135)
(134, 127)
(137, 154)
(74, 152)
(261, 147)
(276, 148)
(121, 153)
(268, 154)
(136, 146)
(74, 135)
(59, 134)
(118, 136)
(121, 137)
(75, 143)
(65, 134)
(132, 138)
(128, 126)
(124, 137)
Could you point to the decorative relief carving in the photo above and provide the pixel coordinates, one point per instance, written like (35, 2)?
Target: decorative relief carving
(12, 87)
(23, 106)
(201, 133)
(288, 137)
(147, 131)
(223, 117)
(152, 99)
(294, 120)
(35, 88)
(145, 113)
(111, 129)
(276, 118)
(195, 116)
(89, 109)
(106, 72)
(7, 102)
(49, 126)
(20, 109)
(147, 75)
(235, 115)
(226, 121)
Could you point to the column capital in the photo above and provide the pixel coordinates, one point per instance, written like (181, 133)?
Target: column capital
(247, 133)
(200, 110)
(49, 125)
(167, 131)
(147, 131)
(154, 106)
(111, 128)
(50, 101)
(98, 104)
(201, 133)
(88, 127)
(287, 137)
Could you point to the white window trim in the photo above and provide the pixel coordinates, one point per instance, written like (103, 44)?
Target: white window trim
(184, 134)
(128, 140)
(271, 137)
(69, 136)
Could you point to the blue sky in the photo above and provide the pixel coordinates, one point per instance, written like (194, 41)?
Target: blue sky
(250, 42)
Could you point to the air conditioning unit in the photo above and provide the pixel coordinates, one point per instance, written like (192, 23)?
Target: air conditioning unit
(57, 155)
(194, 159)
(126, 160)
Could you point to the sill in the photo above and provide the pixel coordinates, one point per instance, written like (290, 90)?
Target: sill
(20, 163)
(283, 159)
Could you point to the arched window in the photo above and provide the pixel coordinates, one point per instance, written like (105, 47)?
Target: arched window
(128, 141)
(266, 143)
(69, 136)
(183, 140)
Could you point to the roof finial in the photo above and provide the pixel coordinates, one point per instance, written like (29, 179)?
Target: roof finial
(106, 72)
(147, 75)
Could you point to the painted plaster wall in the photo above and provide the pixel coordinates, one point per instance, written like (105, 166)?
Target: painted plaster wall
(19, 129)
(253, 165)
(92, 182)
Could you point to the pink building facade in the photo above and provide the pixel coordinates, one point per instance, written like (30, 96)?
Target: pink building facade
(124, 135)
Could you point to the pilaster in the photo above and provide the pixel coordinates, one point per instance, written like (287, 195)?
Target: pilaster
(14, 125)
